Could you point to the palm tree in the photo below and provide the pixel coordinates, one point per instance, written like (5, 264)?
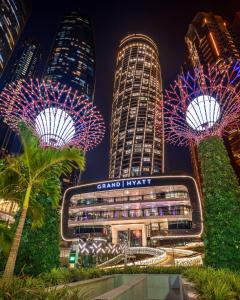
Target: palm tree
(24, 176)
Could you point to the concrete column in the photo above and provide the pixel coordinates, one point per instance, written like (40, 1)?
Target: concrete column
(164, 224)
(144, 235)
(114, 235)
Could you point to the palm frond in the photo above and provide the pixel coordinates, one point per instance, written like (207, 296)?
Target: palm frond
(30, 144)
(12, 186)
(48, 158)
(51, 185)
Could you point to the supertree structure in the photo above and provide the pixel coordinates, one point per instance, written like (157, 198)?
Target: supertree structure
(202, 106)
(57, 115)
(203, 103)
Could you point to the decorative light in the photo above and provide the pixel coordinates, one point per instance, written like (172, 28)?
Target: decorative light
(203, 103)
(55, 127)
(158, 256)
(202, 113)
(58, 115)
(94, 247)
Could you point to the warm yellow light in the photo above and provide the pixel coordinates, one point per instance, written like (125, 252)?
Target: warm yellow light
(214, 43)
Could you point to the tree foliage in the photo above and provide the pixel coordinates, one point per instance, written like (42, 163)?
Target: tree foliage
(221, 206)
(26, 176)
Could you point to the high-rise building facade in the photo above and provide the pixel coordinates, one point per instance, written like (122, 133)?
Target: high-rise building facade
(137, 145)
(211, 39)
(26, 62)
(72, 59)
(13, 16)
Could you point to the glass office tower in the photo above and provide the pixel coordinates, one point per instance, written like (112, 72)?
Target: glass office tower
(72, 59)
(26, 62)
(13, 16)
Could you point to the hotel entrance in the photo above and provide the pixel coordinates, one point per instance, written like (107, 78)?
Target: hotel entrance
(133, 238)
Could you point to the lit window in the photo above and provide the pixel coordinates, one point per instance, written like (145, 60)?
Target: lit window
(146, 159)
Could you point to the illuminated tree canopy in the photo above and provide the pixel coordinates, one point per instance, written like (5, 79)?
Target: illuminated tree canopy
(58, 115)
(203, 103)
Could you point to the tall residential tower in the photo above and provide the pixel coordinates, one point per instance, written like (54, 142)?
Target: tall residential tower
(13, 16)
(72, 59)
(137, 146)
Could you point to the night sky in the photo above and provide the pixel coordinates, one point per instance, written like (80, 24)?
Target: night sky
(165, 21)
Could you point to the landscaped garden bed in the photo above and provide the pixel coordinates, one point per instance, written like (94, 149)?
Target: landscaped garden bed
(209, 283)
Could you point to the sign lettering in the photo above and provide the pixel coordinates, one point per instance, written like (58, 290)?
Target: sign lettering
(123, 183)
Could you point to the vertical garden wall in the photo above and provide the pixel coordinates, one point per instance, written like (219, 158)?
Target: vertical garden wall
(39, 249)
(221, 205)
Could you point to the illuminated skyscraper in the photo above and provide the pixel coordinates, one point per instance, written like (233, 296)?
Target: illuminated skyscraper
(23, 65)
(72, 59)
(137, 147)
(13, 16)
(211, 39)
(26, 62)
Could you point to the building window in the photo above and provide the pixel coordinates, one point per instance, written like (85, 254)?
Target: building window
(135, 171)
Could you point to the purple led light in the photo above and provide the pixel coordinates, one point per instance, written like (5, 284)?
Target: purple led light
(58, 115)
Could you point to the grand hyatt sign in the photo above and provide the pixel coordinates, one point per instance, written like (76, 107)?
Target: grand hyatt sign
(124, 184)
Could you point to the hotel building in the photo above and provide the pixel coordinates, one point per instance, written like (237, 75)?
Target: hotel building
(138, 205)
(139, 211)
(137, 144)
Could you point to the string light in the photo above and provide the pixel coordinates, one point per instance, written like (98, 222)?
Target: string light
(203, 103)
(56, 114)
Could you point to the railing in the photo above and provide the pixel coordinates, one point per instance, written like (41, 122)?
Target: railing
(101, 202)
(113, 261)
(158, 256)
(183, 216)
(195, 260)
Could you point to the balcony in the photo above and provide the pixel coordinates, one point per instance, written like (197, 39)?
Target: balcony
(80, 221)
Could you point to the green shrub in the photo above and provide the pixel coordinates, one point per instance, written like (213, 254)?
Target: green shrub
(56, 276)
(65, 275)
(211, 284)
(147, 270)
(32, 288)
(215, 284)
